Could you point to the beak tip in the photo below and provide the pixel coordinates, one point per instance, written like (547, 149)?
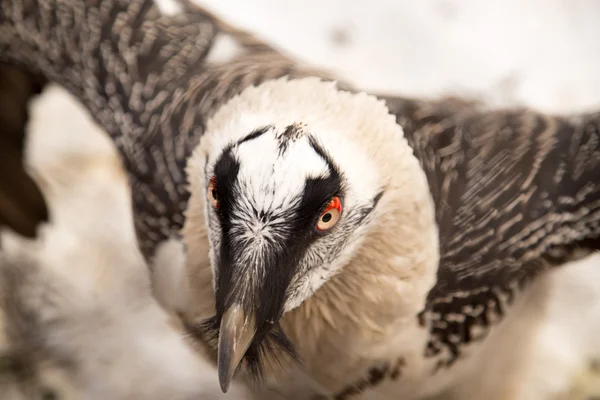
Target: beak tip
(224, 385)
(236, 333)
(225, 375)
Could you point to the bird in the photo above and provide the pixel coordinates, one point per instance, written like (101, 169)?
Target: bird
(336, 244)
(22, 205)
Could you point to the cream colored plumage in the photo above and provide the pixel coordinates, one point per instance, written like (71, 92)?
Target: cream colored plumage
(333, 329)
(452, 213)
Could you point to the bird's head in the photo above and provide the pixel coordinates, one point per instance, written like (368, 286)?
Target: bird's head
(289, 177)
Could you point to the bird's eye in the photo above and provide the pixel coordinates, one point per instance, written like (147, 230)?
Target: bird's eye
(212, 192)
(331, 215)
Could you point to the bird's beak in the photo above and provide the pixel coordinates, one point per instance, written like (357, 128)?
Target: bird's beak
(235, 335)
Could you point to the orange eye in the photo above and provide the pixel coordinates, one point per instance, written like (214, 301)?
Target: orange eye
(331, 215)
(212, 192)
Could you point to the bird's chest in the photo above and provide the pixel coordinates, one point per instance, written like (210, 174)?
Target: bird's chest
(353, 365)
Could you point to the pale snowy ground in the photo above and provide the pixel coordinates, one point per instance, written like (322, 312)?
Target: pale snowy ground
(543, 53)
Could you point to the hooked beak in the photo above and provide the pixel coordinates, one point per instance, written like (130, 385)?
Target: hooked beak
(235, 335)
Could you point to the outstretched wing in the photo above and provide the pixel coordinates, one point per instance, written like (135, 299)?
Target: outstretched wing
(126, 62)
(516, 192)
(22, 205)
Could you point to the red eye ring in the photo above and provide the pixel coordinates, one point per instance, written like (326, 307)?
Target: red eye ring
(330, 215)
(211, 192)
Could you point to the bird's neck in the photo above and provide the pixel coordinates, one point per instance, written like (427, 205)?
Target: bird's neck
(367, 313)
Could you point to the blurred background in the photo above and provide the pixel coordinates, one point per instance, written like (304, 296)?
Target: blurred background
(544, 53)
(540, 53)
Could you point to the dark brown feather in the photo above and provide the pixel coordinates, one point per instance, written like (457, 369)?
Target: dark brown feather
(22, 204)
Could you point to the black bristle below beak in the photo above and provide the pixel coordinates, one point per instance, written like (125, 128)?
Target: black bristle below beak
(272, 344)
